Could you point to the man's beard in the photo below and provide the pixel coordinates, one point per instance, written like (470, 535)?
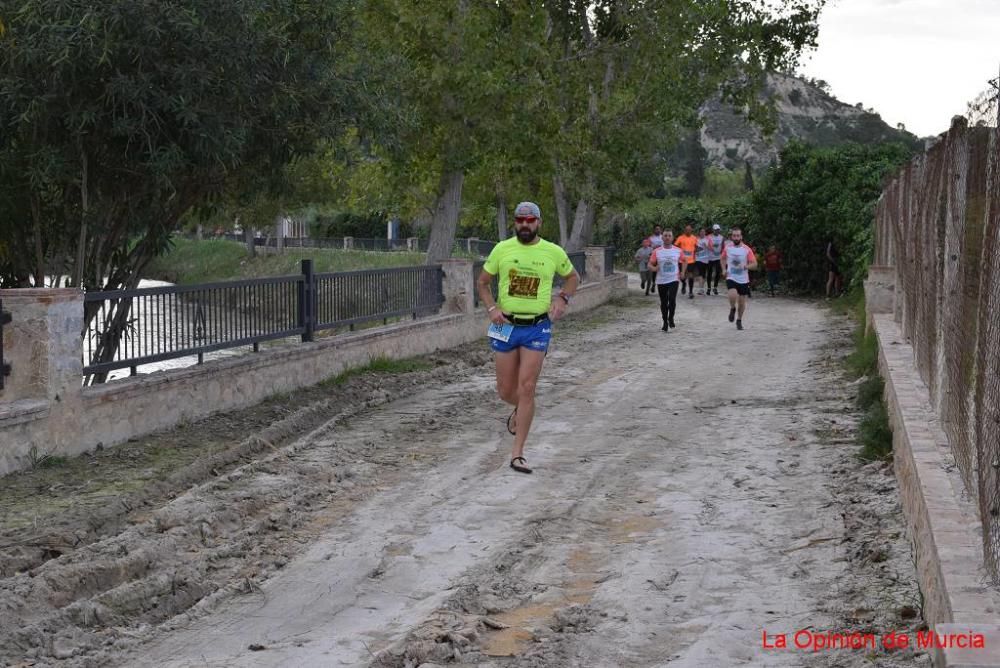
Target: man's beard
(738, 242)
(526, 234)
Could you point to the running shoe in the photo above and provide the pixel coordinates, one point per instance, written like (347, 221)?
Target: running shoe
(732, 314)
(739, 324)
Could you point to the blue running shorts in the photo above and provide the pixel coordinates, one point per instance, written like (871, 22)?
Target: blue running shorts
(532, 337)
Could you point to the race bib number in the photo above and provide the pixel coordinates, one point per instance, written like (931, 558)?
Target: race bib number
(500, 332)
(523, 285)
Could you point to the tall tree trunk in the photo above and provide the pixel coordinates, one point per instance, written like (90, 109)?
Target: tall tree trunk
(445, 220)
(583, 225)
(279, 233)
(249, 241)
(501, 210)
(562, 209)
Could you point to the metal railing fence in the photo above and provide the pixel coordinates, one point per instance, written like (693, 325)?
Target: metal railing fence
(5, 319)
(479, 247)
(937, 225)
(609, 260)
(146, 325)
(579, 260)
(130, 328)
(352, 297)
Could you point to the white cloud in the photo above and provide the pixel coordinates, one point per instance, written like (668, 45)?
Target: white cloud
(917, 62)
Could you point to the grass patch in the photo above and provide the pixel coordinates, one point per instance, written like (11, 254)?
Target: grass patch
(380, 364)
(870, 392)
(874, 431)
(191, 261)
(875, 434)
(864, 360)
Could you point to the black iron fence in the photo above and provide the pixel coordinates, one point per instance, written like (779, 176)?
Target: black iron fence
(351, 297)
(129, 328)
(4, 367)
(475, 246)
(609, 260)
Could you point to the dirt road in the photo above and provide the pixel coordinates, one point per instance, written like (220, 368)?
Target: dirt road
(692, 491)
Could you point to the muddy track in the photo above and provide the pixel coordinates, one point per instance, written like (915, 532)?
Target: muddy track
(237, 496)
(375, 521)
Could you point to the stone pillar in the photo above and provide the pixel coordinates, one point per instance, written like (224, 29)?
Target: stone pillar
(880, 291)
(595, 263)
(42, 344)
(348, 243)
(412, 244)
(279, 234)
(458, 286)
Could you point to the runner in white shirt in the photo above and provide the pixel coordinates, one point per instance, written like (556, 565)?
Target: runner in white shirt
(656, 238)
(702, 256)
(738, 260)
(714, 259)
(666, 262)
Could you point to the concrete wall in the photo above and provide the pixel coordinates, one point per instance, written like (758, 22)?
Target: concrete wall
(941, 520)
(46, 410)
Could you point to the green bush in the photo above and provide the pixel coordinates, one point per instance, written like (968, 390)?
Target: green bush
(816, 195)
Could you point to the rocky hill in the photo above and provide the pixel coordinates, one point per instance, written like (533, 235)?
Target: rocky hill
(804, 112)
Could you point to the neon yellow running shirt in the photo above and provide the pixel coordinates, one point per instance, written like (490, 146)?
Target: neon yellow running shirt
(525, 273)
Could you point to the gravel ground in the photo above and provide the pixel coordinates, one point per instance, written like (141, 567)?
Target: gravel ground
(692, 491)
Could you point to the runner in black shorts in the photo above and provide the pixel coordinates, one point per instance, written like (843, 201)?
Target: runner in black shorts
(702, 256)
(737, 261)
(835, 279)
(714, 262)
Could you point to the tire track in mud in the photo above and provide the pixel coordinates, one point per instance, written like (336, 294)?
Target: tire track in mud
(214, 529)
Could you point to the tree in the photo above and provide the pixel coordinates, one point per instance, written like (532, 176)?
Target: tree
(119, 117)
(747, 176)
(583, 95)
(629, 78)
(818, 194)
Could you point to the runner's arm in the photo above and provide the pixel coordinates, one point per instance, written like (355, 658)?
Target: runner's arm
(558, 305)
(485, 287)
(752, 261)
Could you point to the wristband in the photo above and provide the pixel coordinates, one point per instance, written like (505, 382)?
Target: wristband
(565, 297)
(491, 309)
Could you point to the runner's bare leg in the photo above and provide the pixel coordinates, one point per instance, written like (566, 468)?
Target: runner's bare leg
(507, 371)
(527, 379)
(743, 307)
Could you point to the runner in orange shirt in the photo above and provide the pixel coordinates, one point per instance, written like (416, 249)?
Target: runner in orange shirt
(688, 243)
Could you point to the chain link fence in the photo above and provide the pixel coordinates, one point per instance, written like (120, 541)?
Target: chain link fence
(938, 225)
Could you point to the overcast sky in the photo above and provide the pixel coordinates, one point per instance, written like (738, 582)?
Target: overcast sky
(916, 62)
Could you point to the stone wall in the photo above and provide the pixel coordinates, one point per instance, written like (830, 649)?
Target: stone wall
(942, 522)
(45, 409)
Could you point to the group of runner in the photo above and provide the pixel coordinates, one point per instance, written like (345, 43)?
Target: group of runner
(522, 313)
(667, 265)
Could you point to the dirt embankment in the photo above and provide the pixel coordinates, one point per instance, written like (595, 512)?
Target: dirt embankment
(692, 489)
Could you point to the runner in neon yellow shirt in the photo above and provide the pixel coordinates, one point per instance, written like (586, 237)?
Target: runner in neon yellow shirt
(521, 318)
